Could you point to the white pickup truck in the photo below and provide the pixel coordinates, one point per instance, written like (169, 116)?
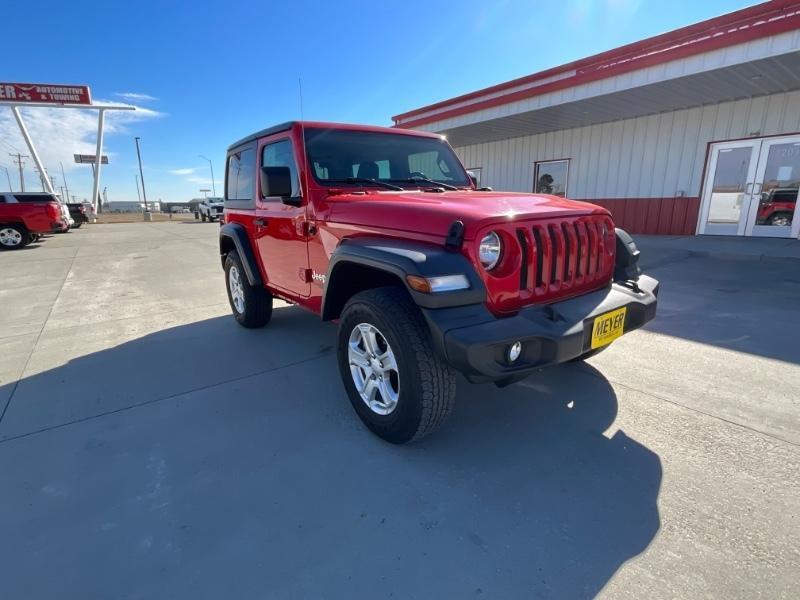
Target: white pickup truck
(209, 209)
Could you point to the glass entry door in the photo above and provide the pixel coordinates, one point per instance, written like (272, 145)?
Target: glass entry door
(751, 188)
(774, 208)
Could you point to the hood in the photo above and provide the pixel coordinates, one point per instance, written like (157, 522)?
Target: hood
(433, 213)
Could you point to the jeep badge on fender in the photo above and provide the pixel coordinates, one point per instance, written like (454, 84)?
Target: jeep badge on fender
(426, 274)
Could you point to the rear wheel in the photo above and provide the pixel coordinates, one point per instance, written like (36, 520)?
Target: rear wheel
(399, 387)
(203, 217)
(783, 219)
(13, 237)
(251, 304)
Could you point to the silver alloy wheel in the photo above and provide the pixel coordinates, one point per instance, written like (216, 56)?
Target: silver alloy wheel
(374, 368)
(10, 237)
(236, 288)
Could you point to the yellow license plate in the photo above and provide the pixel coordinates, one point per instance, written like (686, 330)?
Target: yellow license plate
(608, 327)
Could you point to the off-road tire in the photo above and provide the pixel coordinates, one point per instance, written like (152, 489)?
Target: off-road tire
(257, 301)
(21, 235)
(77, 225)
(427, 384)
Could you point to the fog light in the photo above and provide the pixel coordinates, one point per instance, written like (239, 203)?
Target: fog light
(514, 350)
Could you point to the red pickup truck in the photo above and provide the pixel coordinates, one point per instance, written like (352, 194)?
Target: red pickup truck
(427, 275)
(23, 216)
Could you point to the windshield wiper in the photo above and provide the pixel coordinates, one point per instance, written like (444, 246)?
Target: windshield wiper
(363, 180)
(427, 181)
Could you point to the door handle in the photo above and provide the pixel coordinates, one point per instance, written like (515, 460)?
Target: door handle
(260, 222)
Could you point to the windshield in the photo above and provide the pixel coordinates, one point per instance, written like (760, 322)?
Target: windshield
(358, 156)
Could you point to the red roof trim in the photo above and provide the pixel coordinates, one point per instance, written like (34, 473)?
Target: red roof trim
(737, 27)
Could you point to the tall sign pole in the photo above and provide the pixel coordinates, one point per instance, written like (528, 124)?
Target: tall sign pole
(101, 118)
(34, 154)
(141, 173)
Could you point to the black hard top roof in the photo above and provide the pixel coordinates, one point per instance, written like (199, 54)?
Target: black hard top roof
(259, 134)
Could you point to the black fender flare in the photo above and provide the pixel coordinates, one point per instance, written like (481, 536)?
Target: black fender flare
(238, 235)
(401, 258)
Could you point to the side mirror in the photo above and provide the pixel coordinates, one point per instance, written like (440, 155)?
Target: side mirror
(276, 182)
(474, 180)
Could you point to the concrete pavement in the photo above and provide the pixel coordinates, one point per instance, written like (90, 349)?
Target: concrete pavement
(150, 447)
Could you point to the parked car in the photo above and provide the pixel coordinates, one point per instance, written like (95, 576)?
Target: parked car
(24, 217)
(210, 209)
(777, 207)
(77, 211)
(383, 231)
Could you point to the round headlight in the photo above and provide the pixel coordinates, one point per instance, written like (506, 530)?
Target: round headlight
(489, 250)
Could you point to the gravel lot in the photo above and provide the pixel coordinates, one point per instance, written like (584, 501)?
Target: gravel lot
(150, 447)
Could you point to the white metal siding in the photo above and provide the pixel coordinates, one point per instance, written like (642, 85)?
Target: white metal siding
(658, 155)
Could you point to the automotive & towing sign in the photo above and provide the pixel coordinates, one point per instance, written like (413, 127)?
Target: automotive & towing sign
(44, 92)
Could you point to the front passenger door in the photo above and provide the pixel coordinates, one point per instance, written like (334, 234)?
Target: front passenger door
(280, 234)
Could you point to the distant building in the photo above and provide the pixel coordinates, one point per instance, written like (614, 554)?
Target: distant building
(130, 207)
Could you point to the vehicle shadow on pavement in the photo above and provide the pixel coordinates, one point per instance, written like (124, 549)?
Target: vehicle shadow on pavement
(242, 471)
(743, 305)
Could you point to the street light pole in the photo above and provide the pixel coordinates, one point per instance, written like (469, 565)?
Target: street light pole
(210, 166)
(141, 173)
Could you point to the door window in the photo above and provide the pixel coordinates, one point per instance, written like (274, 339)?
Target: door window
(280, 154)
(778, 194)
(728, 188)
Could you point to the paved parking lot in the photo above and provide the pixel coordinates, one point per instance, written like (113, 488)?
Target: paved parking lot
(150, 447)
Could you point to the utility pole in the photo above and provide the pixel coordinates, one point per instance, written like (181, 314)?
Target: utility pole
(141, 173)
(53, 182)
(138, 194)
(64, 177)
(10, 189)
(20, 163)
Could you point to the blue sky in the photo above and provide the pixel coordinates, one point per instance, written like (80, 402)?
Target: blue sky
(207, 73)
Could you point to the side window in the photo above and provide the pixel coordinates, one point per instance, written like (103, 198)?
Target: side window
(280, 154)
(241, 171)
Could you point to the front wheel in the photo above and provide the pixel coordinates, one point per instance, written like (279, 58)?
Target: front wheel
(251, 304)
(398, 385)
(13, 237)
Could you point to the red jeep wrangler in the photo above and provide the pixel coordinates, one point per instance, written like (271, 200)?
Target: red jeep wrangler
(383, 230)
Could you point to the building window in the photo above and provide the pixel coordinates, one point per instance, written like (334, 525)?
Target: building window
(550, 177)
(476, 173)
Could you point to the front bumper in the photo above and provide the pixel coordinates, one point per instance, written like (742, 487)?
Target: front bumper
(475, 342)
